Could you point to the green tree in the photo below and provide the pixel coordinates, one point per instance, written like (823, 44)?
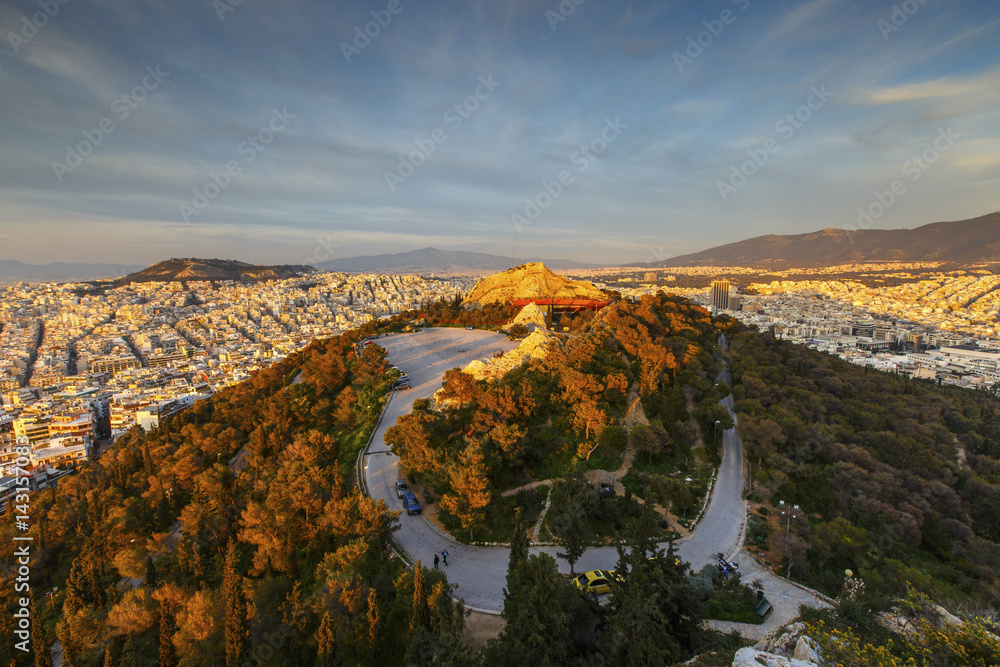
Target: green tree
(168, 626)
(150, 573)
(568, 519)
(518, 542)
(655, 613)
(614, 438)
(471, 488)
(40, 643)
(237, 633)
(537, 628)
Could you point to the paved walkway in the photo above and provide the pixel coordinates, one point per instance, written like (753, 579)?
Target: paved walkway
(480, 572)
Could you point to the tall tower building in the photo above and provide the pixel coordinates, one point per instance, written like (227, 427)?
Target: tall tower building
(720, 294)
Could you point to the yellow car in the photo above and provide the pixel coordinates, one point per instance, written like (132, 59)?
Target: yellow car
(595, 581)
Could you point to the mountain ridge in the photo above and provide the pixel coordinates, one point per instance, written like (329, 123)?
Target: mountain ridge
(961, 241)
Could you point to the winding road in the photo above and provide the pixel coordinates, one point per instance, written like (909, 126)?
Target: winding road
(480, 572)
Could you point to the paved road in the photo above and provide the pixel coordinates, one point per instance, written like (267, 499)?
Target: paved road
(480, 572)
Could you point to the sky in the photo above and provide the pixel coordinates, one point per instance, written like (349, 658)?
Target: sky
(609, 132)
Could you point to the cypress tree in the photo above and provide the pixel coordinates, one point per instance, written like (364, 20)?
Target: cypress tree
(150, 573)
(326, 640)
(39, 643)
(237, 636)
(168, 656)
(518, 543)
(421, 612)
(373, 628)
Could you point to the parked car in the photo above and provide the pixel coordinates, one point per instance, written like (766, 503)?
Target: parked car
(402, 386)
(401, 487)
(595, 581)
(470, 328)
(410, 503)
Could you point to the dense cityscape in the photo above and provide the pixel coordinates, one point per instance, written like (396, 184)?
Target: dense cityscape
(81, 365)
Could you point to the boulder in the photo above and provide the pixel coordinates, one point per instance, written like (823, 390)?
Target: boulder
(751, 657)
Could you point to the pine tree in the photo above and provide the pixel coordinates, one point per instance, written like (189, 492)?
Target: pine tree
(237, 636)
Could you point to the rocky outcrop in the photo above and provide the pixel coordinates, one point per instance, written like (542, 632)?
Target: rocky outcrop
(751, 657)
(530, 281)
(786, 646)
(531, 316)
(535, 346)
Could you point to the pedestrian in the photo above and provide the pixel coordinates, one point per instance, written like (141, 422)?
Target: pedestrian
(436, 559)
(444, 554)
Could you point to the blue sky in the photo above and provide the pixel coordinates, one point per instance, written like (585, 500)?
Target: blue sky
(648, 128)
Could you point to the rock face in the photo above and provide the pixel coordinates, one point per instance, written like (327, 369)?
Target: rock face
(531, 316)
(534, 346)
(782, 647)
(751, 657)
(530, 281)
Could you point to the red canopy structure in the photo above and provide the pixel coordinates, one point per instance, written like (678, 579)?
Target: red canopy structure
(563, 304)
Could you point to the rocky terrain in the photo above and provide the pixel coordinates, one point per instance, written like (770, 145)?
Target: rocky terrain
(530, 281)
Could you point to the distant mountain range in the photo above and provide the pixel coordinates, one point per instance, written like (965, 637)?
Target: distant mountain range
(961, 242)
(12, 271)
(432, 260)
(191, 268)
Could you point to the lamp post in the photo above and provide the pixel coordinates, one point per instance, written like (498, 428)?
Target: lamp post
(715, 436)
(789, 513)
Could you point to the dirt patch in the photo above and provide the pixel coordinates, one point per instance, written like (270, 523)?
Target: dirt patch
(635, 414)
(480, 628)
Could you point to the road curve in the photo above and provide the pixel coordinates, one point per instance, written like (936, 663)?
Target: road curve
(480, 572)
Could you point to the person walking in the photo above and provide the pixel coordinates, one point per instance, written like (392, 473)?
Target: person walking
(436, 559)
(444, 554)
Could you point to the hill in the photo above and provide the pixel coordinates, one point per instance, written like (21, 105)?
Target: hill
(529, 281)
(432, 260)
(12, 271)
(214, 269)
(963, 242)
